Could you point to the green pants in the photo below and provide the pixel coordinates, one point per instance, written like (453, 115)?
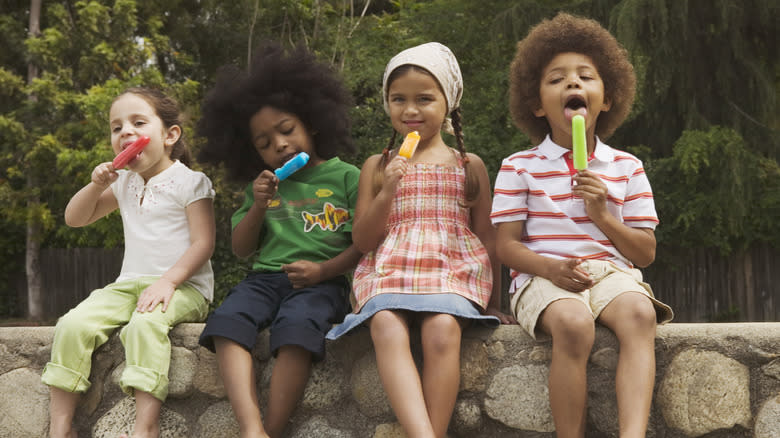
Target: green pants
(144, 336)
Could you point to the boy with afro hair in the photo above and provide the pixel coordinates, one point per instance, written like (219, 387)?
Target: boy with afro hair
(572, 238)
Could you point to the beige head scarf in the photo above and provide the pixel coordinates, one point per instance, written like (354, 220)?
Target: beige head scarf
(441, 63)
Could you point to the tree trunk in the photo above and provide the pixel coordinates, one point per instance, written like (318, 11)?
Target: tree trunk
(34, 226)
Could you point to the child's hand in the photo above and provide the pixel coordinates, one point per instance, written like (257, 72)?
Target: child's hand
(303, 273)
(264, 187)
(502, 317)
(593, 192)
(158, 292)
(568, 275)
(104, 174)
(394, 171)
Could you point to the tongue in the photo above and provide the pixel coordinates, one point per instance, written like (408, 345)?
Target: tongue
(570, 112)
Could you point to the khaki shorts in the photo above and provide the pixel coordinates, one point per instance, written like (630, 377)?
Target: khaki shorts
(530, 300)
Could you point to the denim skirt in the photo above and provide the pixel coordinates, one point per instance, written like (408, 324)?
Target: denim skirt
(452, 304)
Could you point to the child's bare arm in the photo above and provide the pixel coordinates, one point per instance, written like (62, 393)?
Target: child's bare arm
(484, 229)
(304, 273)
(372, 211)
(637, 244)
(564, 273)
(200, 219)
(94, 200)
(246, 234)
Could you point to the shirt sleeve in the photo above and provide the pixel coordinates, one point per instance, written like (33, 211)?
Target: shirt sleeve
(510, 196)
(351, 178)
(639, 206)
(249, 199)
(198, 187)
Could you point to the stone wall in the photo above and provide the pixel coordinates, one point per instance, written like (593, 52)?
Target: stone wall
(712, 380)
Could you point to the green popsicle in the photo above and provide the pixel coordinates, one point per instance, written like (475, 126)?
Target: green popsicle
(580, 147)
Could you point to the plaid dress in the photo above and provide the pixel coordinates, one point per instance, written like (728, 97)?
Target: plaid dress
(428, 248)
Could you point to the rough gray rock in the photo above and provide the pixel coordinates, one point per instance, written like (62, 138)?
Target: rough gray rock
(181, 374)
(367, 387)
(768, 419)
(318, 427)
(218, 422)
(326, 385)
(121, 417)
(521, 406)
(24, 406)
(703, 391)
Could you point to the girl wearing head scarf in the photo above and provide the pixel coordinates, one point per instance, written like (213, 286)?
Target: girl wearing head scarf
(422, 223)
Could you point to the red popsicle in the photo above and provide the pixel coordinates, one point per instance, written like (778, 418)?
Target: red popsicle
(130, 152)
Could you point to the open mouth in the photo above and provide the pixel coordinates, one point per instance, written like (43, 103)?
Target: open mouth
(575, 105)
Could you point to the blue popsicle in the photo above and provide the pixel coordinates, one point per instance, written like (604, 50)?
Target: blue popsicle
(292, 165)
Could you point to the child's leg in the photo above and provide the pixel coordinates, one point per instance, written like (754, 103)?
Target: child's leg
(238, 376)
(390, 334)
(288, 380)
(78, 333)
(633, 319)
(298, 331)
(570, 323)
(147, 416)
(148, 353)
(440, 334)
(62, 406)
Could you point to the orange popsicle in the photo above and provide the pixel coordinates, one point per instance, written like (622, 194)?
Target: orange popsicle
(409, 145)
(130, 152)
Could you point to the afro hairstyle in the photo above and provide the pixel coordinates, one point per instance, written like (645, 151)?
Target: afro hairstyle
(294, 82)
(567, 33)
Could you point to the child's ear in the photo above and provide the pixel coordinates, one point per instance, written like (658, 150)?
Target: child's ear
(606, 105)
(172, 136)
(539, 112)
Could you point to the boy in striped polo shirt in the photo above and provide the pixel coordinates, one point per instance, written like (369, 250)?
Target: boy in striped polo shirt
(572, 238)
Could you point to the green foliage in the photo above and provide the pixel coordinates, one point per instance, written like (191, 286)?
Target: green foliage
(701, 63)
(705, 114)
(711, 191)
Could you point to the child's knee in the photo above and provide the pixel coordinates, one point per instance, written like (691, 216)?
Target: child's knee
(74, 326)
(144, 326)
(574, 329)
(69, 323)
(387, 325)
(441, 333)
(638, 311)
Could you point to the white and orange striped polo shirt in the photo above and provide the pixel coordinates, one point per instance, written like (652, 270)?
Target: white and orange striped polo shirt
(535, 186)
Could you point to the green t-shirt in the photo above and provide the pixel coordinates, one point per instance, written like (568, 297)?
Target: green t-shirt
(310, 218)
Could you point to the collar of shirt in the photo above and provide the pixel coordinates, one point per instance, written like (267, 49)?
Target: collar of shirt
(552, 151)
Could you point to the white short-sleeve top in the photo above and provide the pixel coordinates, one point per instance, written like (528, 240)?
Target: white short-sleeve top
(155, 222)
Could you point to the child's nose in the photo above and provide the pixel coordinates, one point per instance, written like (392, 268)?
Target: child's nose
(411, 107)
(573, 82)
(127, 128)
(281, 143)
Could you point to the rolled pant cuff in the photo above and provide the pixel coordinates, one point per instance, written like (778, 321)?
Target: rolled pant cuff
(135, 378)
(64, 378)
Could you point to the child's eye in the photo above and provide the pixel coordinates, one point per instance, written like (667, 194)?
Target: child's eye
(261, 144)
(116, 129)
(140, 123)
(555, 80)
